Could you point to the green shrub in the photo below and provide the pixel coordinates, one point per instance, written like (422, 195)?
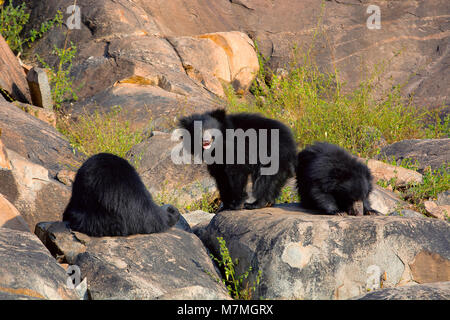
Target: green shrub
(59, 77)
(238, 285)
(433, 183)
(12, 21)
(314, 105)
(101, 132)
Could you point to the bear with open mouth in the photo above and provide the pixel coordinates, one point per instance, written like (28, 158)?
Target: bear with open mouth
(249, 145)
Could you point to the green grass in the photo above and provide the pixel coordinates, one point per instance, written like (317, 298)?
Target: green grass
(318, 107)
(433, 183)
(102, 132)
(288, 195)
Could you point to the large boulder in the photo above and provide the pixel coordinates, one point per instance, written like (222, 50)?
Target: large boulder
(127, 63)
(214, 57)
(168, 265)
(178, 184)
(427, 152)
(12, 77)
(30, 189)
(28, 269)
(10, 217)
(152, 86)
(311, 256)
(342, 40)
(427, 291)
(35, 140)
(397, 175)
(386, 201)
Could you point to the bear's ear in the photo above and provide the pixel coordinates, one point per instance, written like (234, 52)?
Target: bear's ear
(219, 114)
(185, 123)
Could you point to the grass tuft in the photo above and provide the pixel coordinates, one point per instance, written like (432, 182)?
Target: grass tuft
(102, 132)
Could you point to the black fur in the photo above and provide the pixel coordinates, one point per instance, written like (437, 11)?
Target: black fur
(109, 199)
(231, 179)
(332, 180)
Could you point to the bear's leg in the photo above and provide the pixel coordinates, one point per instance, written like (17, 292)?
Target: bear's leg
(223, 185)
(237, 179)
(266, 189)
(325, 201)
(173, 215)
(368, 209)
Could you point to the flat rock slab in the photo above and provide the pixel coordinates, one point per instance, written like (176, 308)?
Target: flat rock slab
(303, 255)
(28, 187)
(168, 265)
(28, 271)
(427, 152)
(12, 77)
(35, 140)
(428, 291)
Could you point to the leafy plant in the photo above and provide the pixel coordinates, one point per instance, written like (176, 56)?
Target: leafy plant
(12, 21)
(59, 77)
(433, 183)
(288, 195)
(318, 107)
(101, 132)
(237, 285)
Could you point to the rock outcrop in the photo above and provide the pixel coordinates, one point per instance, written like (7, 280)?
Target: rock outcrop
(182, 50)
(429, 291)
(12, 77)
(30, 189)
(168, 265)
(35, 140)
(427, 152)
(311, 256)
(28, 269)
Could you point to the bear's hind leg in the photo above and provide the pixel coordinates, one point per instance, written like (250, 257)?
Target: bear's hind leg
(237, 179)
(325, 201)
(266, 189)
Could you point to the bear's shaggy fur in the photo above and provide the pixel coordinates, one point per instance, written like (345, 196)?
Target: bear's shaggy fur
(332, 180)
(110, 199)
(231, 179)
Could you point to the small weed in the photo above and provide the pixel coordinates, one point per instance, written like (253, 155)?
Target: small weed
(101, 132)
(288, 195)
(235, 283)
(60, 81)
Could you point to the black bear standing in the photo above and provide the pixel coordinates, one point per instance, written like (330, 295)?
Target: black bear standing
(331, 179)
(231, 178)
(110, 199)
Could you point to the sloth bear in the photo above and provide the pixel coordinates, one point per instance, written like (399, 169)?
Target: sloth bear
(239, 146)
(109, 199)
(331, 179)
